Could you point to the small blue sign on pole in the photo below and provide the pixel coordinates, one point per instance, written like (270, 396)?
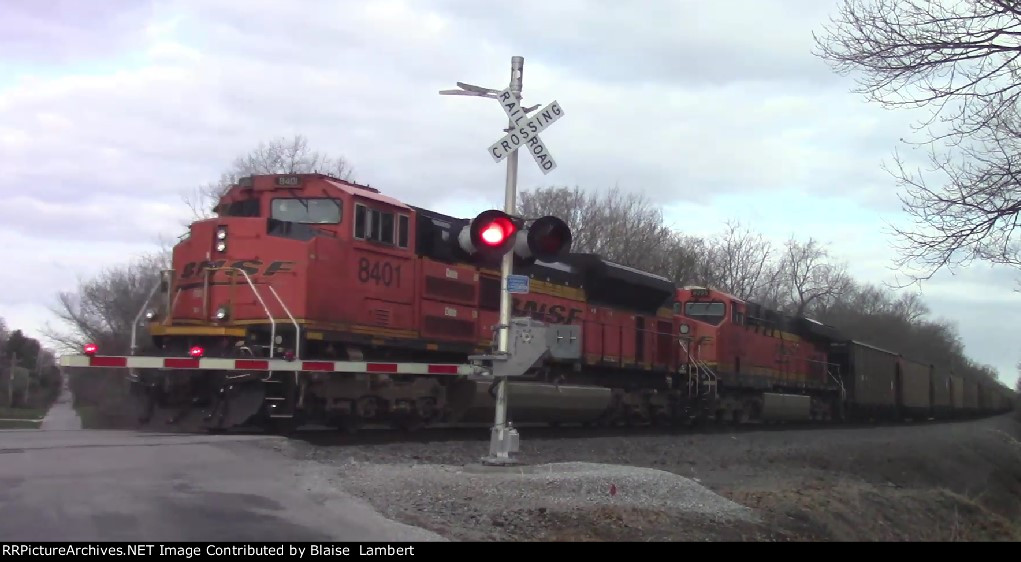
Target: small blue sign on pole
(517, 284)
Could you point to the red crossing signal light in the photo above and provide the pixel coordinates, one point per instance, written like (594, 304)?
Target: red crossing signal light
(492, 233)
(496, 231)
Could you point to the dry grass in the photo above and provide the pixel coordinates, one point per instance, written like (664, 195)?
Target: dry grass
(972, 521)
(1012, 442)
(20, 424)
(852, 510)
(22, 413)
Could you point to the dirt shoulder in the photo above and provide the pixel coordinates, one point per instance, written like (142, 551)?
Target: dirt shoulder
(938, 481)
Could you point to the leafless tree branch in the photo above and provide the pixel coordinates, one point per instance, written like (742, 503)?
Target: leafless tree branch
(961, 61)
(279, 156)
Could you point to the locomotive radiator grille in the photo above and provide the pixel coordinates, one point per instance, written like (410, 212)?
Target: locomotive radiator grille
(441, 326)
(439, 288)
(381, 317)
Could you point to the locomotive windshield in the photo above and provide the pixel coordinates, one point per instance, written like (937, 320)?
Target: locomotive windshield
(307, 211)
(710, 312)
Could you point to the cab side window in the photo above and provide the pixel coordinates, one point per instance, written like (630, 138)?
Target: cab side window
(737, 316)
(382, 227)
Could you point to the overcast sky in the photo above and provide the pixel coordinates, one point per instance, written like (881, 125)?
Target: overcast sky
(110, 111)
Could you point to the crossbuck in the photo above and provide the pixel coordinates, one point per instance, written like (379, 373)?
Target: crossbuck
(525, 132)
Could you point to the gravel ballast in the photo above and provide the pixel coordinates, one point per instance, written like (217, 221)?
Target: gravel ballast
(485, 498)
(935, 481)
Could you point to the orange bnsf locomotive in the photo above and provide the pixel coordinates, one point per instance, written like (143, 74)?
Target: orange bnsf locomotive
(309, 299)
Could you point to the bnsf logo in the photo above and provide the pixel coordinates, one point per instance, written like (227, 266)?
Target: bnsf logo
(251, 267)
(556, 314)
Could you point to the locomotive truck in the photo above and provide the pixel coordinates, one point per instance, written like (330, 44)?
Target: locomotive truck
(310, 299)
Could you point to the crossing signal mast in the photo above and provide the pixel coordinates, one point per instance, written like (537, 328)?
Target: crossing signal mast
(499, 234)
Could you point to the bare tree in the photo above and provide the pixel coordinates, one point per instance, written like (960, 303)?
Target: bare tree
(579, 209)
(738, 261)
(683, 259)
(808, 277)
(911, 308)
(771, 292)
(103, 308)
(961, 60)
(622, 227)
(279, 156)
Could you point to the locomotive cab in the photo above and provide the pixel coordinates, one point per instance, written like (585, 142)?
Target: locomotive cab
(241, 279)
(701, 316)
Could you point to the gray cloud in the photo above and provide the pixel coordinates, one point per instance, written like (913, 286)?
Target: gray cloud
(63, 31)
(94, 218)
(116, 108)
(45, 267)
(212, 92)
(675, 43)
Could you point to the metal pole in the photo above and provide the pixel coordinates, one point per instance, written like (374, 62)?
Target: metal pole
(28, 383)
(498, 439)
(10, 381)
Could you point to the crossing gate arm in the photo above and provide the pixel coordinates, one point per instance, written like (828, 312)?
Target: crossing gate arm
(531, 342)
(226, 364)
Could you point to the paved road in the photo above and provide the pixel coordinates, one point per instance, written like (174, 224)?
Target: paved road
(62, 415)
(85, 485)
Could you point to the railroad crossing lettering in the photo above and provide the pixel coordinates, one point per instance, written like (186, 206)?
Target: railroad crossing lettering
(526, 132)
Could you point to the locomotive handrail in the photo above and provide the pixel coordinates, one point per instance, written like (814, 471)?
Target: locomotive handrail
(699, 366)
(173, 304)
(272, 323)
(840, 381)
(826, 367)
(297, 329)
(272, 337)
(141, 311)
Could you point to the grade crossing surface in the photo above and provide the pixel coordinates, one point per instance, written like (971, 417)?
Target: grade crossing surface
(84, 485)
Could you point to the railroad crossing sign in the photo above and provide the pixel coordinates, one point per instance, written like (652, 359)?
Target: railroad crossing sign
(525, 132)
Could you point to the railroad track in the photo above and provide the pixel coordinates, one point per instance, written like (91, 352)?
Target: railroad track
(382, 435)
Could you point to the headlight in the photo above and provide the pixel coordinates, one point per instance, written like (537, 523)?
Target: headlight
(221, 246)
(221, 233)
(150, 314)
(685, 329)
(221, 313)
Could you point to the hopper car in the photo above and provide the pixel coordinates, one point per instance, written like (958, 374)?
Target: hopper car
(309, 299)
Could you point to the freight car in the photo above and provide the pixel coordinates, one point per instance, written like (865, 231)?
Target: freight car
(312, 299)
(941, 392)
